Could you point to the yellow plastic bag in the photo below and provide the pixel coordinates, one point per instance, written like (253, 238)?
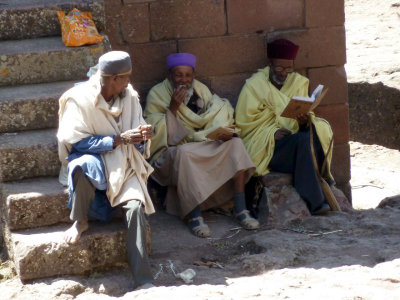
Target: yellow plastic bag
(78, 28)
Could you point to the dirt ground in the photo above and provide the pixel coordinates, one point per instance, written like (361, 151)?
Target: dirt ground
(338, 256)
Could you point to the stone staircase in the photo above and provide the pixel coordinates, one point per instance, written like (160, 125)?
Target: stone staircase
(35, 69)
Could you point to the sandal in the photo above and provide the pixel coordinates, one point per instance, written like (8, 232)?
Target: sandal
(247, 221)
(202, 230)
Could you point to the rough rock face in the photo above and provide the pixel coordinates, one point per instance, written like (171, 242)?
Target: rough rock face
(41, 17)
(43, 253)
(28, 154)
(281, 203)
(375, 114)
(34, 203)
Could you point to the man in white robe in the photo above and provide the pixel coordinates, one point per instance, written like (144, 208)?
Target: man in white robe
(103, 139)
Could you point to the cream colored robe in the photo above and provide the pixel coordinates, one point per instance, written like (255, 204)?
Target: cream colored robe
(84, 112)
(258, 113)
(195, 168)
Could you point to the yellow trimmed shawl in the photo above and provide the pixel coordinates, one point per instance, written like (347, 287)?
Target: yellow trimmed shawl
(258, 113)
(216, 112)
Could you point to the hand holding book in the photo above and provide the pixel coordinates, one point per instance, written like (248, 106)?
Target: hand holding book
(304, 105)
(222, 133)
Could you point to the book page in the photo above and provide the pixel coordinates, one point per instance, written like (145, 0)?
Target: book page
(228, 130)
(317, 92)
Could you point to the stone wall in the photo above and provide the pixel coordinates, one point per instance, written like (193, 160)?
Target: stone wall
(229, 39)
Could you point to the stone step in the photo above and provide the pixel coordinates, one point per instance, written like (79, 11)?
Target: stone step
(34, 203)
(41, 252)
(47, 59)
(28, 154)
(32, 106)
(26, 19)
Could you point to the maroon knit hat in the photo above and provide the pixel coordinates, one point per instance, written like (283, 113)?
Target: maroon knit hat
(283, 49)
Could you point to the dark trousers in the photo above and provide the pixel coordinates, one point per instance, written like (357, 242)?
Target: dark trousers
(135, 221)
(292, 154)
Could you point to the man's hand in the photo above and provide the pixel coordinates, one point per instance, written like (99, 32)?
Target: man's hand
(134, 136)
(281, 133)
(224, 137)
(177, 98)
(302, 119)
(147, 131)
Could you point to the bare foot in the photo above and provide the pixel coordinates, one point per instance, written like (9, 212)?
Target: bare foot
(73, 234)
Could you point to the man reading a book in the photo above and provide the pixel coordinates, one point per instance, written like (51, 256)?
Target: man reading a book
(200, 173)
(282, 144)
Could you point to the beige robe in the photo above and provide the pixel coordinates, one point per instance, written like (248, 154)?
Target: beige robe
(196, 170)
(84, 112)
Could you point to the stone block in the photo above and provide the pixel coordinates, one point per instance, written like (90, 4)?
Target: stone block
(175, 19)
(264, 15)
(28, 154)
(126, 24)
(226, 55)
(22, 20)
(323, 13)
(34, 203)
(229, 86)
(49, 60)
(31, 106)
(338, 118)
(42, 252)
(341, 163)
(149, 60)
(333, 78)
(319, 47)
(281, 201)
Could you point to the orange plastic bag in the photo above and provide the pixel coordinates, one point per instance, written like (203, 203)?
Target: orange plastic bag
(78, 28)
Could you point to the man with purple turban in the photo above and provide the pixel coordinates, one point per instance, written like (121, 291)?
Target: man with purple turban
(282, 144)
(200, 173)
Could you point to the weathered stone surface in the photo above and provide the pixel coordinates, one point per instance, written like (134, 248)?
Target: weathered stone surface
(321, 13)
(281, 202)
(34, 203)
(338, 118)
(226, 55)
(264, 15)
(31, 106)
(374, 114)
(128, 23)
(229, 86)
(319, 47)
(28, 154)
(149, 60)
(187, 19)
(43, 253)
(46, 60)
(333, 78)
(341, 163)
(26, 19)
(341, 199)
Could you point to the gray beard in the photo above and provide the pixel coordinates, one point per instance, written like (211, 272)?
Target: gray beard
(275, 78)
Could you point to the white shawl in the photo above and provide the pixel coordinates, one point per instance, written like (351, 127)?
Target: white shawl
(84, 112)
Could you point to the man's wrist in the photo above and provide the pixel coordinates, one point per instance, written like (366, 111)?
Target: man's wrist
(117, 140)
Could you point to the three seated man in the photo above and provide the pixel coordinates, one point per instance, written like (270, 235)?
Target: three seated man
(104, 141)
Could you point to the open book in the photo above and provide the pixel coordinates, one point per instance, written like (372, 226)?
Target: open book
(228, 130)
(303, 105)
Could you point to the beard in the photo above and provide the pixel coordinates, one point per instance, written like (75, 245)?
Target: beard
(188, 87)
(273, 77)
